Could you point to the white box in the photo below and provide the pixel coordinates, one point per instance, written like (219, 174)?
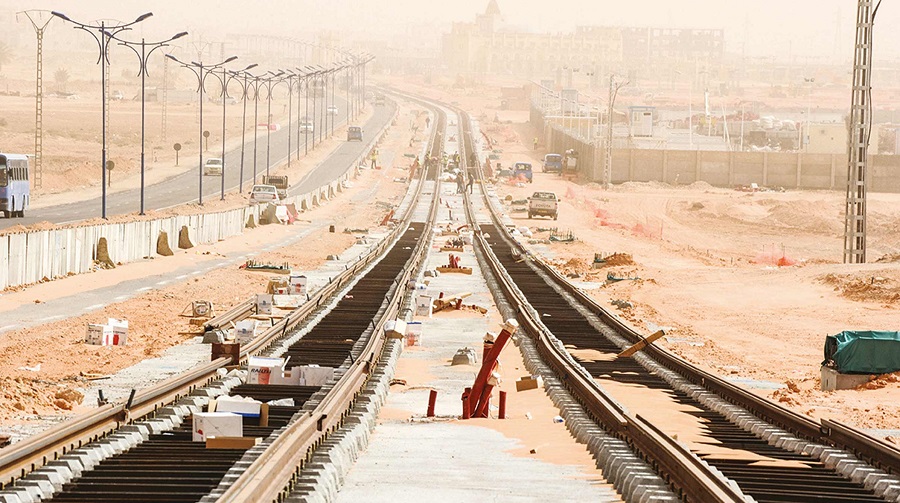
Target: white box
(298, 285)
(216, 424)
(245, 328)
(95, 333)
(244, 406)
(292, 377)
(395, 329)
(313, 375)
(414, 333)
(424, 305)
(264, 303)
(262, 369)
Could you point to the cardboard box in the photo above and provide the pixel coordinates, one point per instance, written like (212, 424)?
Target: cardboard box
(95, 333)
(292, 377)
(298, 284)
(313, 375)
(395, 329)
(245, 329)
(414, 333)
(113, 333)
(264, 303)
(424, 305)
(262, 369)
(529, 382)
(243, 406)
(232, 442)
(216, 424)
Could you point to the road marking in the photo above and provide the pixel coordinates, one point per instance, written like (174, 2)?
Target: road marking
(196, 273)
(95, 306)
(121, 297)
(56, 317)
(8, 327)
(166, 282)
(144, 289)
(181, 277)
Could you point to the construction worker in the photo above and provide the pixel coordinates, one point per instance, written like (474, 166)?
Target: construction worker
(470, 182)
(535, 142)
(374, 158)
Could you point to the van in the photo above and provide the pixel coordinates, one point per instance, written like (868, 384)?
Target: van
(354, 133)
(522, 171)
(553, 163)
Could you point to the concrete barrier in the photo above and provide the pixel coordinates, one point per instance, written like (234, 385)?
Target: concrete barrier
(30, 257)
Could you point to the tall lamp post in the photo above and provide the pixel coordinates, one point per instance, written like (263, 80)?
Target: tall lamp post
(809, 83)
(201, 71)
(224, 79)
(143, 58)
(290, 76)
(271, 81)
(103, 43)
(245, 88)
(307, 78)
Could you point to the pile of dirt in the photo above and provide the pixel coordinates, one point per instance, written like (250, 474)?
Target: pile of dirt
(618, 259)
(864, 288)
(34, 396)
(881, 381)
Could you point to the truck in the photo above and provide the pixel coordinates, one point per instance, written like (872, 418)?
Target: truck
(280, 183)
(553, 163)
(544, 204)
(522, 171)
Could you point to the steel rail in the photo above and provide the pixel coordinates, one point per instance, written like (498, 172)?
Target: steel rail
(270, 477)
(687, 473)
(868, 448)
(23, 457)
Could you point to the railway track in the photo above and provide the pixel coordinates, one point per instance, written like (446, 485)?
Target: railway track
(748, 446)
(142, 450)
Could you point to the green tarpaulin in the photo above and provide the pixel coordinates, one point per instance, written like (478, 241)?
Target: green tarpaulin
(863, 352)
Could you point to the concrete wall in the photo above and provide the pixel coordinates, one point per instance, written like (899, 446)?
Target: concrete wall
(791, 170)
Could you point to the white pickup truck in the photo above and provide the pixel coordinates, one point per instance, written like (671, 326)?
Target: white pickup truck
(543, 204)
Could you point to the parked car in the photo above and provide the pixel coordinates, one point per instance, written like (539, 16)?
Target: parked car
(332, 110)
(354, 133)
(522, 170)
(553, 163)
(280, 182)
(264, 194)
(306, 126)
(543, 204)
(213, 167)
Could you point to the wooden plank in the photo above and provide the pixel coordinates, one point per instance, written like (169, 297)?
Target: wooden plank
(641, 344)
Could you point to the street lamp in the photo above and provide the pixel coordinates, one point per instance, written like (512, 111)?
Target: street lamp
(103, 44)
(271, 81)
(290, 76)
(143, 58)
(311, 73)
(202, 71)
(224, 79)
(245, 86)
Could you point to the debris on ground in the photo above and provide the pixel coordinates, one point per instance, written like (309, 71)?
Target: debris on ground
(252, 265)
(621, 304)
(613, 260)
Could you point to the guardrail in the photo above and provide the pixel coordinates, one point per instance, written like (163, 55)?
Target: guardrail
(35, 256)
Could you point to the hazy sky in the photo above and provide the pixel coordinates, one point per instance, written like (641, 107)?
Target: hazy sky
(818, 28)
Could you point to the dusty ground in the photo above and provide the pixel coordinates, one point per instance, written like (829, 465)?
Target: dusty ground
(154, 321)
(750, 283)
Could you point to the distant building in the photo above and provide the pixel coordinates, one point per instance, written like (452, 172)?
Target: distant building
(483, 47)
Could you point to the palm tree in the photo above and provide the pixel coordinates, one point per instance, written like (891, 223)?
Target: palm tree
(61, 76)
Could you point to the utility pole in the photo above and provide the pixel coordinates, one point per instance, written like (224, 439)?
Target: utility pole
(859, 131)
(165, 98)
(39, 24)
(607, 165)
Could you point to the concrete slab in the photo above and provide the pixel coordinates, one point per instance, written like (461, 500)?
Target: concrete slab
(447, 459)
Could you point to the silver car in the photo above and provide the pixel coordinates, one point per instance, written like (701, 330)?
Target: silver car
(264, 194)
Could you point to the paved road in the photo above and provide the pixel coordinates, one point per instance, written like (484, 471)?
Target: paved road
(183, 188)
